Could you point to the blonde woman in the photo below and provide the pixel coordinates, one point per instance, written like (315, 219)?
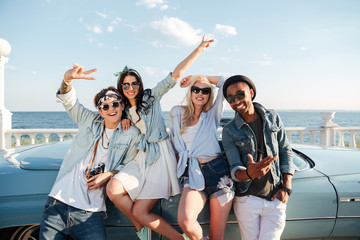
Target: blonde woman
(203, 172)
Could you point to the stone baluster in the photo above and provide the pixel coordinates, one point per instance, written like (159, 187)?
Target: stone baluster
(17, 139)
(47, 136)
(61, 136)
(301, 134)
(341, 138)
(352, 140)
(32, 137)
(312, 136)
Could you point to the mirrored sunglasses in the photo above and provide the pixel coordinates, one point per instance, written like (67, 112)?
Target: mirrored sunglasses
(114, 104)
(204, 91)
(239, 95)
(126, 86)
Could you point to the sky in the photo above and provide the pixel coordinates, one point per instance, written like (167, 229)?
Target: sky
(301, 54)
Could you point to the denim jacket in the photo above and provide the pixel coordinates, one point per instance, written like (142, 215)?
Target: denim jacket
(91, 125)
(154, 121)
(239, 140)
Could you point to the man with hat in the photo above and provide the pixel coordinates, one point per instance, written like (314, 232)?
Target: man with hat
(75, 207)
(260, 160)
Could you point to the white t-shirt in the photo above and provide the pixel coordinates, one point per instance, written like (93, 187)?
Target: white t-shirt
(72, 189)
(190, 133)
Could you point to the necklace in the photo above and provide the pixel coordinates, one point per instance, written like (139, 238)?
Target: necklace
(102, 139)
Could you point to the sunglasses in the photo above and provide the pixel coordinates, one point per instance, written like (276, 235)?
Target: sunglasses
(114, 104)
(239, 95)
(126, 86)
(204, 91)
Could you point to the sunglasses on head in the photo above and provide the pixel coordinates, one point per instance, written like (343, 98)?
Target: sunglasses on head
(204, 91)
(126, 86)
(114, 104)
(239, 95)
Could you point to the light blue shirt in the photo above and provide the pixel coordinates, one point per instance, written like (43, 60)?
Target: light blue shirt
(154, 121)
(91, 125)
(205, 143)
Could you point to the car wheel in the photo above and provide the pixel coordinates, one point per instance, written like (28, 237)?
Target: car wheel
(26, 233)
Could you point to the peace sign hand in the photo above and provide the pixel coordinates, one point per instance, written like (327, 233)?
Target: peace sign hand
(77, 72)
(205, 43)
(259, 169)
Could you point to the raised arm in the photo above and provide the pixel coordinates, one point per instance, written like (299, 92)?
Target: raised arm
(186, 81)
(77, 72)
(187, 62)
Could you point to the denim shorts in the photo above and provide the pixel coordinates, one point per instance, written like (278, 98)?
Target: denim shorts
(217, 178)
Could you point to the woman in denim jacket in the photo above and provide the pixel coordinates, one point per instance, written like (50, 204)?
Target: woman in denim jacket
(203, 172)
(152, 175)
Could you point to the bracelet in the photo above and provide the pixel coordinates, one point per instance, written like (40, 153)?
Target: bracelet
(246, 171)
(66, 83)
(111, 174)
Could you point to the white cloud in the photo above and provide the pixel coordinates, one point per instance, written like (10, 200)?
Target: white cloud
(153, 4)
(116, 21)
(110, 28)
(164, 7)
(34, 72)
(169, 31)
(96, 29)
(81, 20)
(155, 72)
(103, 15)
(225, 30)
(303, 49)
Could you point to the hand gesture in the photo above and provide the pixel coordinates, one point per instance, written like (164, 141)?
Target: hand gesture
(77, 72)
(205, 43)
(186, 81)
(259, 169)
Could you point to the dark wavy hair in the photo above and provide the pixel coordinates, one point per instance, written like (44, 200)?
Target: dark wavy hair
(140, 104)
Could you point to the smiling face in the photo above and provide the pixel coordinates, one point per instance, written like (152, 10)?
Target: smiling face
(200, 99)
(130, 93)
(112, 116)
(243, 106)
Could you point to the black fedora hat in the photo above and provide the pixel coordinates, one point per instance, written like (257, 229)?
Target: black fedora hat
(238, 78)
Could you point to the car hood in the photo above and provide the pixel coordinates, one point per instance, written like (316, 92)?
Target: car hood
(40, 157)
(333, 161)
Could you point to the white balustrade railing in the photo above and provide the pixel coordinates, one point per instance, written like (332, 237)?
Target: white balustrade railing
(328, 135)
(352, 131)
(34, 133)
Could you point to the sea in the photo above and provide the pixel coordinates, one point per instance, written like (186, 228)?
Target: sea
(290, 118)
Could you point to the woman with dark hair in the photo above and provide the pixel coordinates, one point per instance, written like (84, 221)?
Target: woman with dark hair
(152, 175)
(203, 172)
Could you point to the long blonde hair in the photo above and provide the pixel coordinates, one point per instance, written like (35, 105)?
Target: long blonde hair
(189, 107)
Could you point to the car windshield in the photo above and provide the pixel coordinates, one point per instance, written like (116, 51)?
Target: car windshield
(301, 164)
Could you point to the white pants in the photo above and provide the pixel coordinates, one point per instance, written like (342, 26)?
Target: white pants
(259, 218)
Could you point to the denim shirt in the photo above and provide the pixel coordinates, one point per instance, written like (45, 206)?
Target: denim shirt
(154, 121)
(91, 125)
(205, 143)
(239, 140)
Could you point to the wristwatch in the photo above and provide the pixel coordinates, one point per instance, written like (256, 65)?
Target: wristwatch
(288, 190)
